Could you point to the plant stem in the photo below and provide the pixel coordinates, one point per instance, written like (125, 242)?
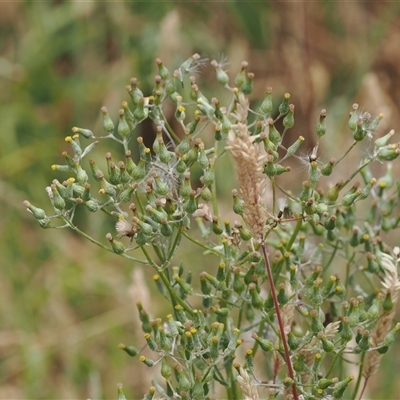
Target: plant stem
(359, 378)
(86, 236)
(218, 253)
(347, 152)
(167, 283)
(279, 318)
(357, 171)
(294, 234)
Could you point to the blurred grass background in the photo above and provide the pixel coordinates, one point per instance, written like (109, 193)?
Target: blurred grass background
(64, 304)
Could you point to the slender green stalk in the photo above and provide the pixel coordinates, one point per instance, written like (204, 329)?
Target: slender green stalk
(259, 333)
(294, 234)
(198, 243)
(214, 188)
(280, 321)
(175, 243)
(337, 357)
(86, 236)
(359, 378)
(347, 152)
(331, 258)
(167, 283)
(357, 171)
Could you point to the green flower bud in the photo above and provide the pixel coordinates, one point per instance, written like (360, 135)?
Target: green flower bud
(146, 361)
(324, 383)
(364, 342)
(293, 341)
(374, 124)
(108, 125)
(121, 395)
(247, 86)
(366, 191)
(123, 128)
(184, 146)
(317, 363)
(320, 128)
(238, 284)
(310, 208)
(86, 133)
(316, 324)
(150, 395)
(124, 177)
(91, 205)
(256, 300)
(202, 158)
(222, 76)
(387, 304)
(294, 147)
(373, 265)
(353, 117)
(186, 288)
(191, 205)
(165, 229)
(150, 342)
(388, 153)
(240, 78)
(327, 345)
(114, 173)
(330, 223)
(130, 119)
(145, 228)
(264, 344)
(333, 193)
(139, 170)
(134, 92)
(106, 187)
(162, 70)
(38, 213)
(205, 108)
(57, 201)
(282, 296)
(96, 172)
(373, 311)
(180, 314)
(288, 121)
(76, 147)
(327, 168)
(383, 140)
(141, 112)
(191, 155)
(360, 133)
(191, 126)
(130, 350)
(117, 247)
(350, 198)
(266, 106)
(249, 364)
(284, 106)
(270, 168)
(155, 214)
(299, 364)
(391, 336)
(313, 174)
(180, 114)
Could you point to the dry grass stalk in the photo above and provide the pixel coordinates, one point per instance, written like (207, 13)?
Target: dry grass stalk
(391, 285)
(249, 164)
(247, 386)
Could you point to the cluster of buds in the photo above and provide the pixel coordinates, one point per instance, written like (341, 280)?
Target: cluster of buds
(157, 194)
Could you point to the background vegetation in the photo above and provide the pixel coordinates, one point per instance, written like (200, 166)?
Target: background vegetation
(64, 304)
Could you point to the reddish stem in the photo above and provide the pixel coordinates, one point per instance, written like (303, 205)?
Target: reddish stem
(280, 322)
